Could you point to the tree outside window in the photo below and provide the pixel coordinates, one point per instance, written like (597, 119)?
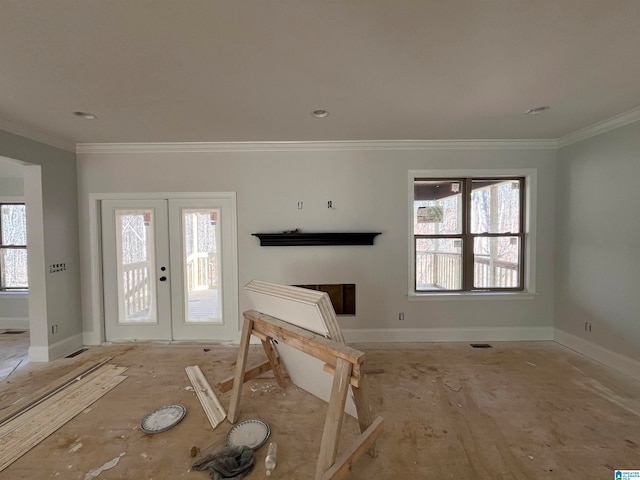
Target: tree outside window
(13, 247)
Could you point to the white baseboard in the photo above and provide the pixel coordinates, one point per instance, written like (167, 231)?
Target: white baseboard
(600, 354)
(406, 335)
(14, 323)
(59, 349)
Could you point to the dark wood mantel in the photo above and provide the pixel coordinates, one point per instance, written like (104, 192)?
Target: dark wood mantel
(289, 239)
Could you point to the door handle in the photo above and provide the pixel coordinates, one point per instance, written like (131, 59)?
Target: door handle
(163, 279)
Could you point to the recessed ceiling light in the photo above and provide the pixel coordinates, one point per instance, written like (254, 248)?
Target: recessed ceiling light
(320, 113)
(537, 110)
(85, 115)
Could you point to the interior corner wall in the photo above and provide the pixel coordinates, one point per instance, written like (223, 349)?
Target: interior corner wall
(60, 228)
(369, 191)
(598, 240)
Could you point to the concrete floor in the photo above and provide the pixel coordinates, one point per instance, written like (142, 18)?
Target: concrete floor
(526, 410)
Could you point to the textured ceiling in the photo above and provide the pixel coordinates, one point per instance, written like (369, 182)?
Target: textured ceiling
(253, 70)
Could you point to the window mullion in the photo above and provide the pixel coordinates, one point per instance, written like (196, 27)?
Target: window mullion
(521, 224)
(467, 246)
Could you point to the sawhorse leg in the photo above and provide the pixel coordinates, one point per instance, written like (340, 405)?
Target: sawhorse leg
(274, 360)
(361, 400)
(335, 414)
(241, 364)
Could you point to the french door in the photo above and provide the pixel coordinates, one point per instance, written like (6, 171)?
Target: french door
(169, 269)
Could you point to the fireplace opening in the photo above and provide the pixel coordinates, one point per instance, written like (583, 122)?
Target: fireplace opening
(342, 296)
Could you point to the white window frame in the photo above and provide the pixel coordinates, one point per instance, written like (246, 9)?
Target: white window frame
(14, 293)
(531, 186)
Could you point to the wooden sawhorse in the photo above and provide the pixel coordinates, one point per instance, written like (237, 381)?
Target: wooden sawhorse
(344, 362)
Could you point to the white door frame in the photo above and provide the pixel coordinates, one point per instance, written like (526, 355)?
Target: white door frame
(94, 334)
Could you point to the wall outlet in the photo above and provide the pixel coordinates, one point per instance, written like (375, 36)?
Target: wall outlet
(54, 329)
(401, 316)
(587, 326)
(57, 267)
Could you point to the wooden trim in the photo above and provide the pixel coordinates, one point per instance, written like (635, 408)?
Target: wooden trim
(28, 430)
(208, 399)
(47, 391)
(60, 396)
(315, 239)
(227, 384)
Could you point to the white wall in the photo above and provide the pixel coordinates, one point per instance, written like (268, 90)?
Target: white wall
(598, 240)
(369, 191)
(55, 170)
(14, 311)
(10, 187)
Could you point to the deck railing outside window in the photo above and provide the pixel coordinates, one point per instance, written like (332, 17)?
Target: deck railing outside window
(441, 271)
(202, 274)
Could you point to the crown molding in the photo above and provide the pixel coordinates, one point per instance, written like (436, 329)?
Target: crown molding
(349, 145)
(601, 127)
(206, 147)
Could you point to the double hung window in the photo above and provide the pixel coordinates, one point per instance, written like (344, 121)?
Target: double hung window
(13, 247)
(468, 234)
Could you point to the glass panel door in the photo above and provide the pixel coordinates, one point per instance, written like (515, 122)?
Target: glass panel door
(202, 238)
(135, 260)
(170, 269)
(201, 264)
(135, 264)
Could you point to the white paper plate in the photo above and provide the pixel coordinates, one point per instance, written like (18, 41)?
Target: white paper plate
(252, 433)
(163, 418)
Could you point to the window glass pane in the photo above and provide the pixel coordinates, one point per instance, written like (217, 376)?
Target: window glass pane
(14, 268)
(14, 225)
(135, 246)
(202, 265)
(437, 207)
(438, 264)
(496, 262)
(495, 206)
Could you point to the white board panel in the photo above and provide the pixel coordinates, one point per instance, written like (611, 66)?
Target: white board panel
(307, 373)
(308, 309)
(294, 305)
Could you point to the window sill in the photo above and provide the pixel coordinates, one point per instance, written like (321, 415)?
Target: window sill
(21, 294)
(461, 296)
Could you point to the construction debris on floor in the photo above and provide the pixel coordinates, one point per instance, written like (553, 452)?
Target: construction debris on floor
(526, 410)
(34, 418)
(233, 462)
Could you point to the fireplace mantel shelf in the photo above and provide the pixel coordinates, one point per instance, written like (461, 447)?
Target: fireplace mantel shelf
(289, 239)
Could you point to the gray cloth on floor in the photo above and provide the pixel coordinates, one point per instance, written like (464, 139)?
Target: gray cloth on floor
(228, 463)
